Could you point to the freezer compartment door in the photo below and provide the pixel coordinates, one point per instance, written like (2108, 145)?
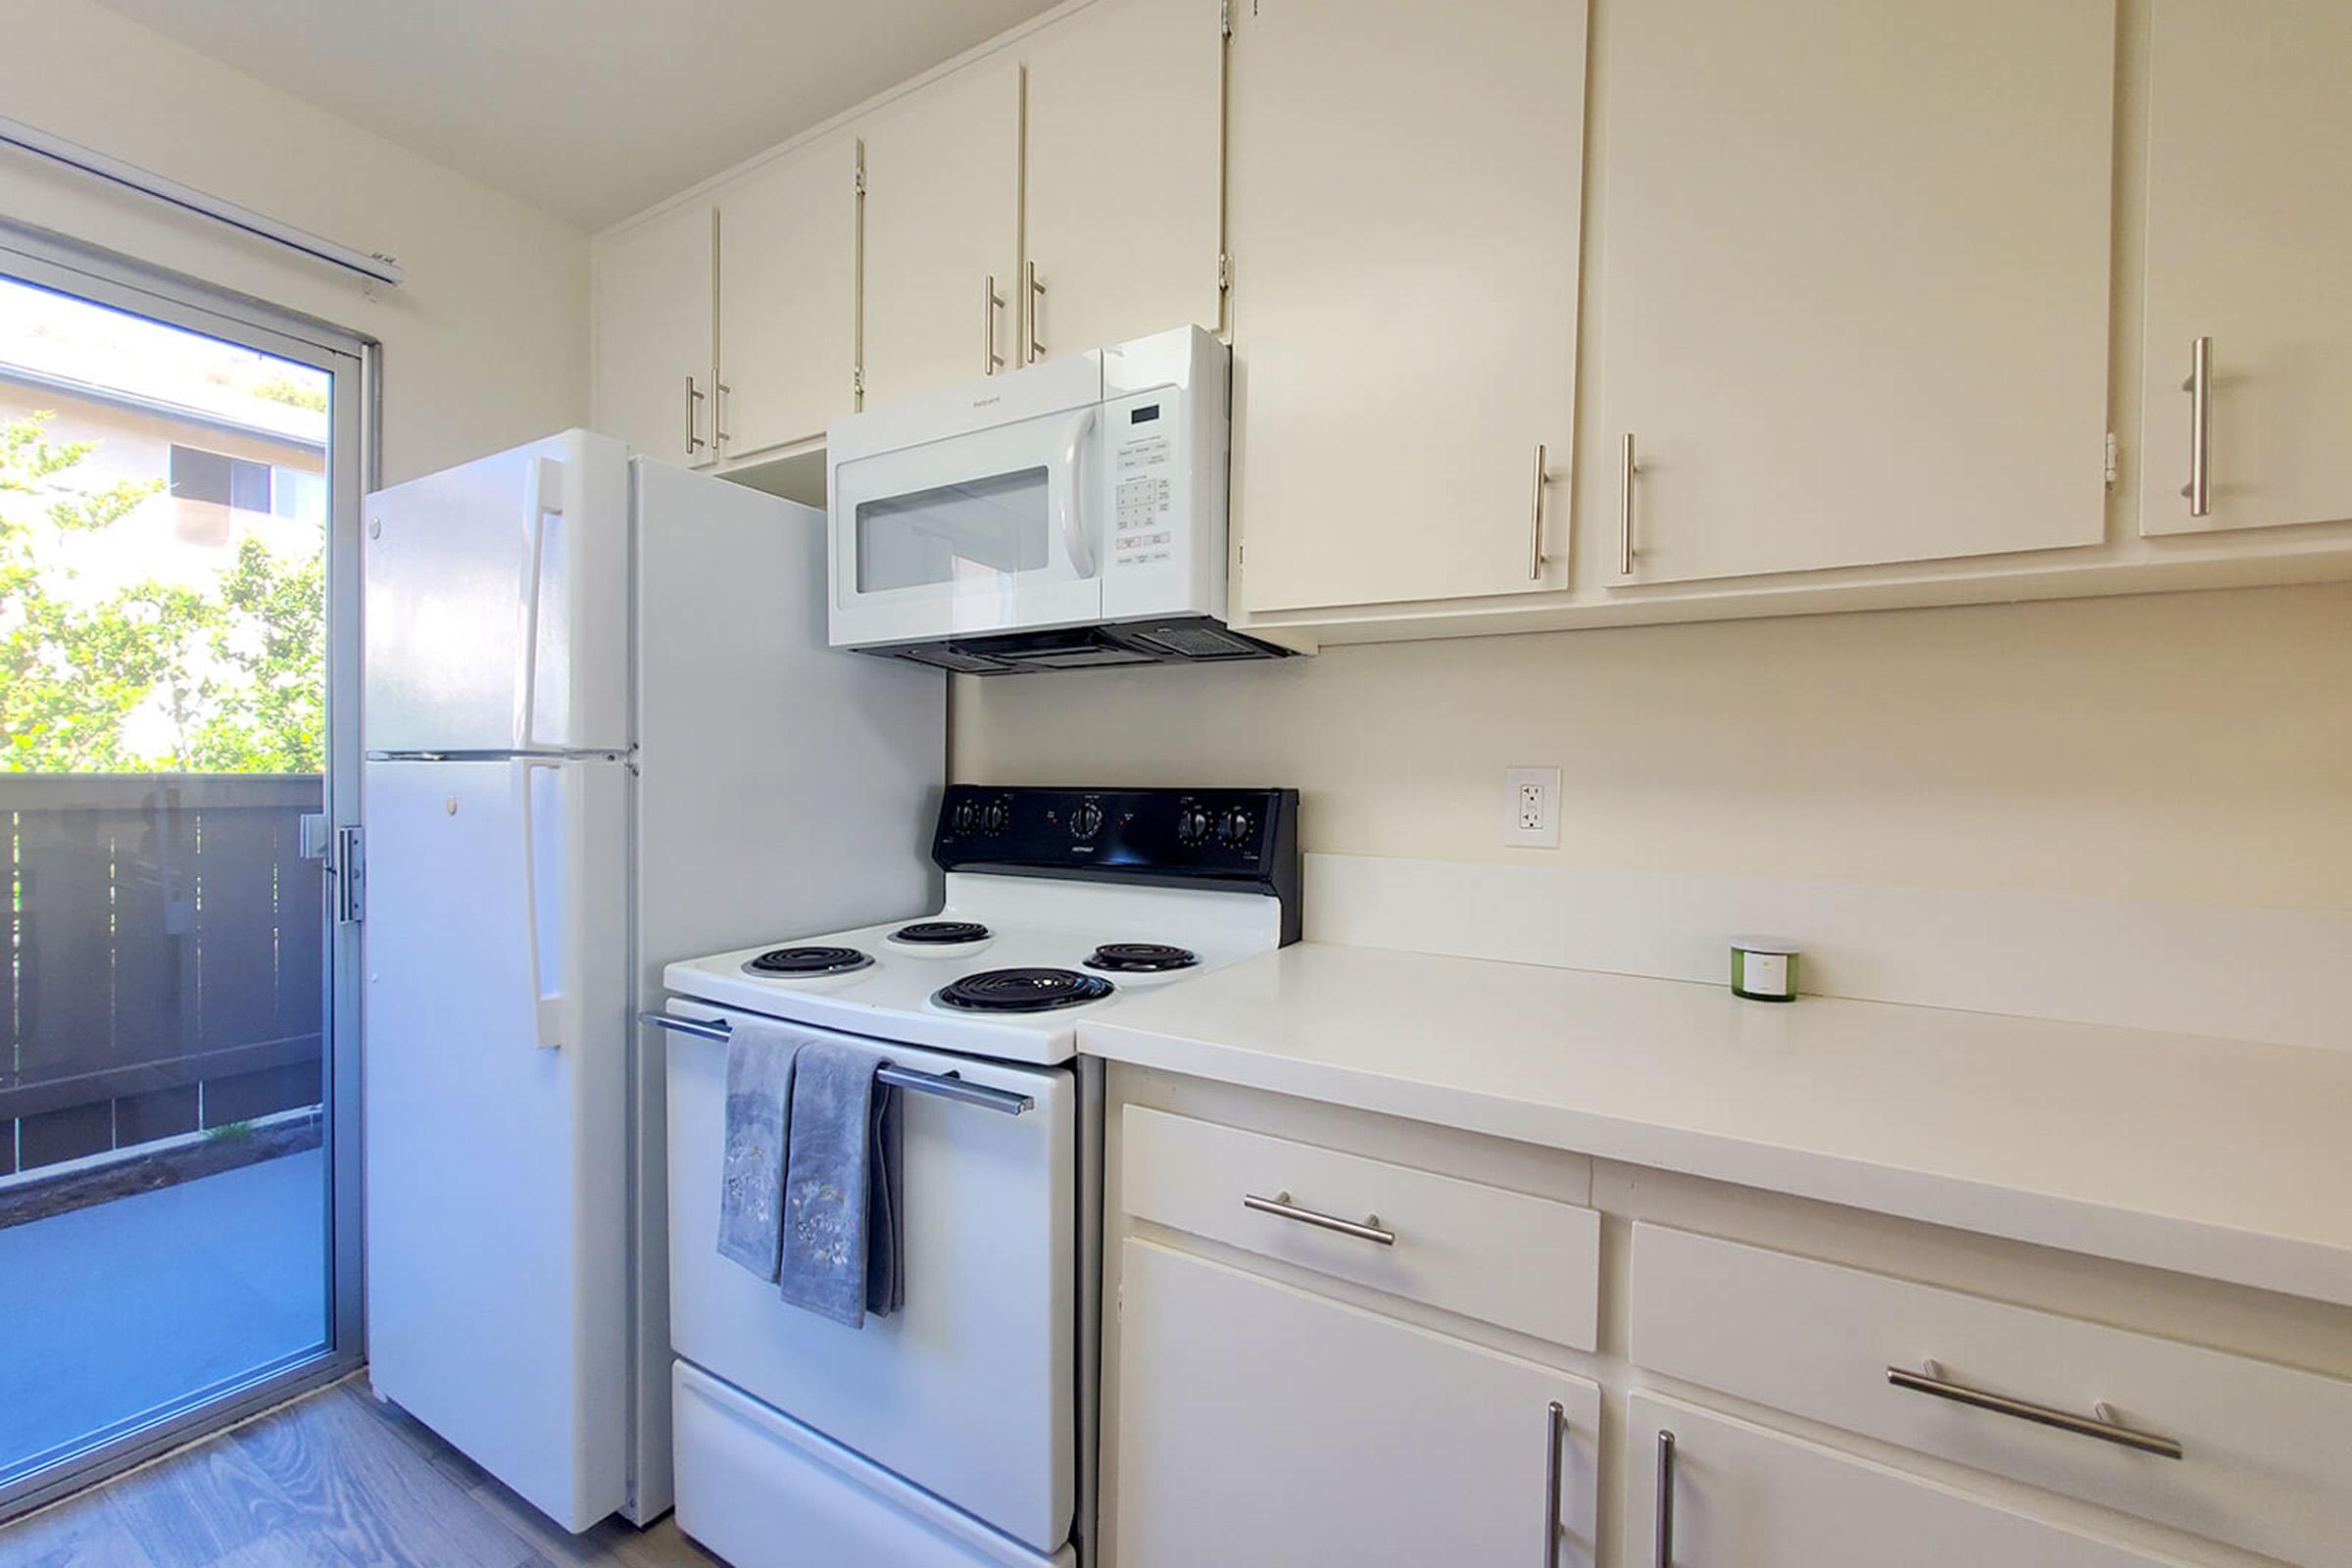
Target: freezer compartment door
(497, 597)
(495, 1102)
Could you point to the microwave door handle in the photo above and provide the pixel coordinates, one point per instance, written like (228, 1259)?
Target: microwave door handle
(1074, 541)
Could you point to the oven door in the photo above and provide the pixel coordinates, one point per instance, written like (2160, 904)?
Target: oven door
(989, 530)
(967, 1392)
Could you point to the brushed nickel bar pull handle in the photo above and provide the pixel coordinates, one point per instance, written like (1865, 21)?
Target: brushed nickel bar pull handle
(1933, 1383)
(946, 1085)
(991, 302)
(1625, 509)
(719, 413)
(1555, 1432)
(1037, 297)
(2199, 387)
(694, 440)
(1664, 1527)
(1281, 1206)
(1534, 544)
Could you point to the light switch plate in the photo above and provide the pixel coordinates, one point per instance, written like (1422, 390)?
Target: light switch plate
(1531, 808)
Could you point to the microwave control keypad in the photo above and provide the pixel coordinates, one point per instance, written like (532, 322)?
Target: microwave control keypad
(1139, 530)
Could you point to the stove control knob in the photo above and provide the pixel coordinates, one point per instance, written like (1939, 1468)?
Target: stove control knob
(1234, 826)
(996, 816)
(1191, 825)
(967, 816)
(1087, 820)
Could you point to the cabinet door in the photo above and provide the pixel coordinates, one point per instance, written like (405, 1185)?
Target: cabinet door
(1854, 266)
(1740, 1494)
(1259, 1425)
(2249, 224)
(943, 206)
(1403, 223)
(656, 323)
(1125, 174)
(788, 297)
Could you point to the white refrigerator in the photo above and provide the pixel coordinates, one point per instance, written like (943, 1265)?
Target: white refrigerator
(603, 731)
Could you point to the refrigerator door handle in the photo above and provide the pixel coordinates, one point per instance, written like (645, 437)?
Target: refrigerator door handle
(546, 495)
(547, 1005)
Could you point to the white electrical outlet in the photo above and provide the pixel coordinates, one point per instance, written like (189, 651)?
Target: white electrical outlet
(1531, 808)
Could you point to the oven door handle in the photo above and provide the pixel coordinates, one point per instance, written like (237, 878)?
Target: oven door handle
(1075, 542)
(946, 1085)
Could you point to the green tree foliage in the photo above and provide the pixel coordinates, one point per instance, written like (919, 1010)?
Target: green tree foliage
(237, 673)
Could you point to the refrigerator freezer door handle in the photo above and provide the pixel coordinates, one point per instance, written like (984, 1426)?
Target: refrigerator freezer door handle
(546, 496)
(548, 1010)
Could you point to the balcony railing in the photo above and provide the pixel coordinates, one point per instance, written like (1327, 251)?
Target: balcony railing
(164, 968)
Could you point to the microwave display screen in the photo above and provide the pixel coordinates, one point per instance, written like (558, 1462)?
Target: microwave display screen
(977, 529)
(1145, 415)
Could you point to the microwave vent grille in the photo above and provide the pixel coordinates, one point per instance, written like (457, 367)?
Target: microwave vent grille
(1198, 640)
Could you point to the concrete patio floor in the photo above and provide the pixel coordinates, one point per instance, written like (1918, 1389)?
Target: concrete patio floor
(110, 1312)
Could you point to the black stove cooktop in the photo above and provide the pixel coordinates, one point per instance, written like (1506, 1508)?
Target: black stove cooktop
(1022, 991)
(941, 933)
(808, 960)
(1141, 957)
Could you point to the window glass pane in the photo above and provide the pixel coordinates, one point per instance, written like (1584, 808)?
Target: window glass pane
(200, 475)
(975, 530)
(164, 956)
(248, 485)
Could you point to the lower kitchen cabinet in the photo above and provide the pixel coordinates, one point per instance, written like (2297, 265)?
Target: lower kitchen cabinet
(1261, 1424)
(1727, 1491)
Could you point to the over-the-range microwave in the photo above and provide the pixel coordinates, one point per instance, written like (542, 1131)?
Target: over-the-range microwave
(1065, 516)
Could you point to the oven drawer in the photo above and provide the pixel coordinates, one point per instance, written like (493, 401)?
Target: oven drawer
(2261, 1445)
(1503, 1257)
(765, 1491)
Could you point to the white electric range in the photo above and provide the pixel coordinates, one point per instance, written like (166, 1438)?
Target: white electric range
(961, 1430)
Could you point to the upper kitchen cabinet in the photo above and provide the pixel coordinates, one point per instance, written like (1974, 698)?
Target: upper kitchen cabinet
(943, 245)
(1125, 170)
(2249, 342)
(788, 296)
(1855, 271)
(1403, 217)
(656, 292)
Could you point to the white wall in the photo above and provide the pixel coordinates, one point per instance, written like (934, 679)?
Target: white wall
(486, 344)
(2186, 746)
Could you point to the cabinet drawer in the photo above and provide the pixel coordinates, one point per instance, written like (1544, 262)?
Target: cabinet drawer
(1503, 1257)
(2261, 1445)
(1736, 1492)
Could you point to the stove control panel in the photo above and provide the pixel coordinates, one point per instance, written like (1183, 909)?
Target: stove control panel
(1247, 839)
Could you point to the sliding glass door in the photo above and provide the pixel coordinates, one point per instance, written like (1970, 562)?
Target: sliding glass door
(179, 486)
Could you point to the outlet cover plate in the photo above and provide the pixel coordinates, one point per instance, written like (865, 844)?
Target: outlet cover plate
(1531, 808)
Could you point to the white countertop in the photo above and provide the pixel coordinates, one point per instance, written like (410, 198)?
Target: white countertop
(2219, 1158)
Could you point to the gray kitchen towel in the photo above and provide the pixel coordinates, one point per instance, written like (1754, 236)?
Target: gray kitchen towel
(751, 1194)
(841, 1256)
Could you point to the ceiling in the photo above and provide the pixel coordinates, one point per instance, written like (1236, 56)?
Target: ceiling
(588, 109)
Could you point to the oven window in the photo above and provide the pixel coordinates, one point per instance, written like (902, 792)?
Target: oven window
(979, 528)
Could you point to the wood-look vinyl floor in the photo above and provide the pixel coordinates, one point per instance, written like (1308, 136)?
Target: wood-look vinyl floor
(334, 1477)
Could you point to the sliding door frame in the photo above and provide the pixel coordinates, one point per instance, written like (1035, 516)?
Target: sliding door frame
(53, 262)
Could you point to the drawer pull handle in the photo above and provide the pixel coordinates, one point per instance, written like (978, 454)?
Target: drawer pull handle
(1555, 1430)
(1933, 1382)
(1281, 1206)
